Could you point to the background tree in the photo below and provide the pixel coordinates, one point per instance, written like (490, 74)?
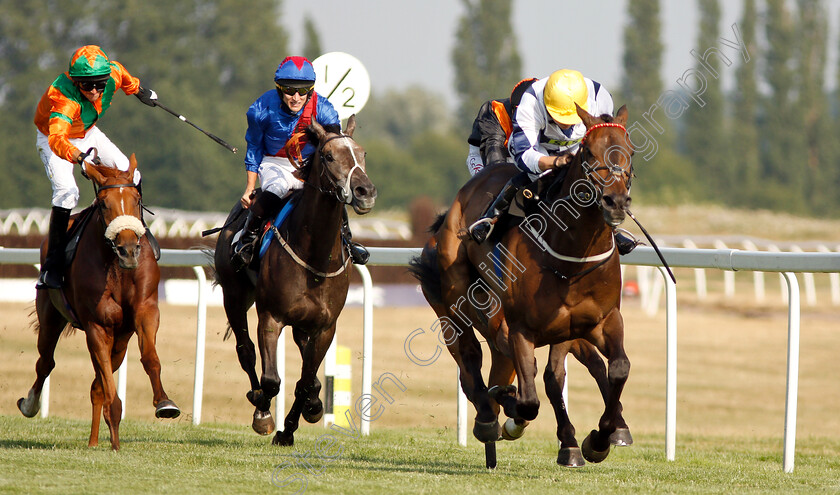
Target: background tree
(743, 130)
(485, 57)
(412, 147)
(311, 39)
(705, 136)
(817, 129)
(782, 137)
(667, 176)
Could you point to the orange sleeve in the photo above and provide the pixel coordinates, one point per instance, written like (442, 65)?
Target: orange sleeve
(58, 118)
(129, 84)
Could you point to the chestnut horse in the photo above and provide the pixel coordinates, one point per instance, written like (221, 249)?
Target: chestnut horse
(302, 279)
(111, 288)
(552, 280)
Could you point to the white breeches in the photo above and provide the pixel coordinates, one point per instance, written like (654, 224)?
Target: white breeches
(65, 192)
(276, 176)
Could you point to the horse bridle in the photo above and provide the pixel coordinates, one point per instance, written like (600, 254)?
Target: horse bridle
(341, 192)
(616, 171)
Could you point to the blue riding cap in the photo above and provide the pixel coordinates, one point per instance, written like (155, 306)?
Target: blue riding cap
(297, 69)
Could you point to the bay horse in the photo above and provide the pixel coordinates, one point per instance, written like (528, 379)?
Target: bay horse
(302, 279)
(553, 280)
(110, 291)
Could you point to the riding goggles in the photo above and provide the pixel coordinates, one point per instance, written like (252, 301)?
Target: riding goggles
(91, 85)
(290, 91)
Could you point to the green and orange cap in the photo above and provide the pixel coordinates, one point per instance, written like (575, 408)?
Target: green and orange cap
(89, 62)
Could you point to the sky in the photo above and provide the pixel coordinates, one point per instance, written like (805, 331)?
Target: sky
(404, 43)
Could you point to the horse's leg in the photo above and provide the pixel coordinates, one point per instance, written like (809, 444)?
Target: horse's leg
(237, 300)
(588, 355)
(100, 344)
(465, 348)
(527, 402)
(97, 397)
(568, 454)
(268, 332)
(596, 446)
(307, 388)
(50, 326)
(146, 323)
(502, 374)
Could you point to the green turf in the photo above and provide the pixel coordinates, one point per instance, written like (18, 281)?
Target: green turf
(51, 456)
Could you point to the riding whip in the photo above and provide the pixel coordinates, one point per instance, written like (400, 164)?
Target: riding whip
(211, 136)
(653, 244)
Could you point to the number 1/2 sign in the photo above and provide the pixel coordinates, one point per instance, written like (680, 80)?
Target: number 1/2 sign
(343, 80)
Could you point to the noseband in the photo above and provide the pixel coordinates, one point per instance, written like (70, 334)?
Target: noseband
(120, 223)
(341, 192)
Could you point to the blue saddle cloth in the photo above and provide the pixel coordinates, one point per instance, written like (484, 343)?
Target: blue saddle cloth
(277, 222)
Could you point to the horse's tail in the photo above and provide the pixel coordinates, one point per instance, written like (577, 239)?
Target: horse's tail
(438, 223)
(425, 269)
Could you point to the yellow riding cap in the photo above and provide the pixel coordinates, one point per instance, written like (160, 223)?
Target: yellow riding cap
(565, 88)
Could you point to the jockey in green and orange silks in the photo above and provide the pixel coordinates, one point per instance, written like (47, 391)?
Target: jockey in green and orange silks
(65, 119)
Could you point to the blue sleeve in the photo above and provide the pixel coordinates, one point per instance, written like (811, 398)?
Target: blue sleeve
(326, 113)
(254, 138)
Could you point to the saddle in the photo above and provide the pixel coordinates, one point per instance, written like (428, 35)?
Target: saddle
(525, 202)
(274, 222)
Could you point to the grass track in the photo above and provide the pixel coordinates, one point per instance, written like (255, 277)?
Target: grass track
(51, 456)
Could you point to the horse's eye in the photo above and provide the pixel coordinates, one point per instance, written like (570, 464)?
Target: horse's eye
(329, 157)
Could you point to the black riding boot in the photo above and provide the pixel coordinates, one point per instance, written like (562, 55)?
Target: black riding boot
(482, 227)
(264, 206)
(358, 253)
(52, 271)
(152, 241)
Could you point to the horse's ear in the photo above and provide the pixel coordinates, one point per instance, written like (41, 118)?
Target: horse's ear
(132, 165)
(319, 131)
(587, 119)
(351, 125)
(93, 173)
(621, 115)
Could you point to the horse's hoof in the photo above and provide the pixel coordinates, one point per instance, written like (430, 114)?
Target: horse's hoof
(314, 414)
(570, 457)
(167, 409)
(254, 397)
(513, 430)
(589, 452)
(487, 432)
(31, 413)
(498, 392)
(263, 422)
(282, 440)
(621, 437)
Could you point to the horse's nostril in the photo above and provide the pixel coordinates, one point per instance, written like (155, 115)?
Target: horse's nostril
(361, 192)
(609, 201)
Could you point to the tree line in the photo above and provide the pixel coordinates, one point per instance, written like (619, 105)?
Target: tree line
(767, 142)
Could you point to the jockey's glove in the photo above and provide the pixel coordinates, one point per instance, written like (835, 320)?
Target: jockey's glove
(147, 96)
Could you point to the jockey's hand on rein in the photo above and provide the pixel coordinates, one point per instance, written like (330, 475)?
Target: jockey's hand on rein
(147, 96)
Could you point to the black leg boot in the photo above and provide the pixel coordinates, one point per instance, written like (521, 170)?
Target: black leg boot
(265, 205)
(52, 271)
(482, 227)
(358, 253)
